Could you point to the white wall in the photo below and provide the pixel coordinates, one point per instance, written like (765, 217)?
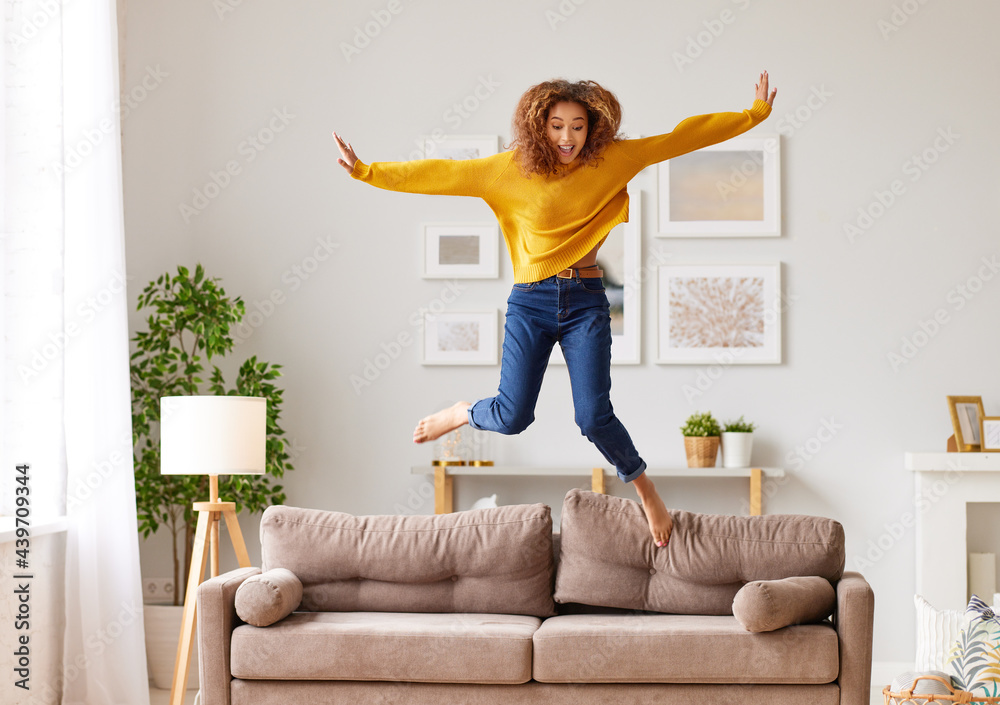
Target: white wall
(885, 99)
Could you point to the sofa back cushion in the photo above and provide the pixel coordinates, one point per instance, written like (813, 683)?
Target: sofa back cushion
(608, 558)
(496, 560)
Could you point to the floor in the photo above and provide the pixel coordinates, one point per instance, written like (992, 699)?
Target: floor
(162, 697)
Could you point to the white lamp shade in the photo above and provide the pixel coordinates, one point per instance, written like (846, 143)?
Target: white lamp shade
(213, 435)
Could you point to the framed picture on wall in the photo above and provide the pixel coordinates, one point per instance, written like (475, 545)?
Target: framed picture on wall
(966, 416)
(711, 313)
(461, 251)
(459, 146)
(620, 257)
(460, 338)
(730, 189)
(989, 432)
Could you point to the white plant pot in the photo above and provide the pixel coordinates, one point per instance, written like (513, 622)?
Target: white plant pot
(163, 630)
(736, 449)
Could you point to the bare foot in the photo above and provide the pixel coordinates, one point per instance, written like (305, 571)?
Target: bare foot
(436, 425)
(660, 523)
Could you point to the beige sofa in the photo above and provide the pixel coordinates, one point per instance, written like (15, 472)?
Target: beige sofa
(488, 606)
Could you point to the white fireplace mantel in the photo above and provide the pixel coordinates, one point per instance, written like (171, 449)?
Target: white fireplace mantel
(945, 483)
(943, 462)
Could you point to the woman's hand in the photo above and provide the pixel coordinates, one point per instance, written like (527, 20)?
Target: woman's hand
(762, 90)
(347, 152)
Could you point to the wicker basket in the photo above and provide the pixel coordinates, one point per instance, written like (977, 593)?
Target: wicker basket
(701, 451)
(908, 697)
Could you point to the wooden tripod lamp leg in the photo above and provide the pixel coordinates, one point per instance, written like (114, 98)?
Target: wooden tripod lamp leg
(213, 543)
(237, 537)
(190, 610)
(214, 525)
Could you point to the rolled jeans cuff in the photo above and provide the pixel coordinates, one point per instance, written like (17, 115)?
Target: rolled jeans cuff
(628, 477)
(472, 421)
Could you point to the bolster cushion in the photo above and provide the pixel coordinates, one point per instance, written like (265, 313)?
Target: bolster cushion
(264, 599)
(766, 605)
(608, 558)
(494, 560)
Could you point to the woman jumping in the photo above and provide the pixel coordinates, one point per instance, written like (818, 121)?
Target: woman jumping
(557, 194)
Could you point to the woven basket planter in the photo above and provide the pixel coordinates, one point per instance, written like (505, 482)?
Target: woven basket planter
(701, 451)
(908, 697)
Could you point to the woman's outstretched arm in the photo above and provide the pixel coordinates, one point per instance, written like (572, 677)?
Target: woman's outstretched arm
(702, 130)
(445, 177)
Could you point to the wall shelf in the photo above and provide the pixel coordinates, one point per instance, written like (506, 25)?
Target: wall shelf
(444, 478)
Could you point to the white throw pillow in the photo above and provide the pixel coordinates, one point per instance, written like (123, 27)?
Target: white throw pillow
(937, 630)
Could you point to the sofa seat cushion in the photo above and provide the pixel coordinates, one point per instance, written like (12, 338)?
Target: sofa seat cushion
(391, 646)
(674, 648)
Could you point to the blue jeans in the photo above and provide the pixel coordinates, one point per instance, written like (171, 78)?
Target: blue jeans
(575, 313)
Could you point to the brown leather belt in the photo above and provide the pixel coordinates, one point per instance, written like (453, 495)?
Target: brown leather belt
(585, 273)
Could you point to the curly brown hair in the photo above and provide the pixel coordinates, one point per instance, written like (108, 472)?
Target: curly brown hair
(534, 151)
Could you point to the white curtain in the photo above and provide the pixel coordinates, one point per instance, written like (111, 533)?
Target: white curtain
(66, 329)
(103, 584)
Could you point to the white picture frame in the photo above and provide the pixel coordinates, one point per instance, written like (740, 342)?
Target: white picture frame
(621, 257)
(460, 338)
(459, 146)
(461, 250)
(730, 189)
(719, 313)
(989, 434)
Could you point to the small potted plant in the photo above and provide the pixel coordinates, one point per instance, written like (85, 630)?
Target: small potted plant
(737, 440)
(701, 440)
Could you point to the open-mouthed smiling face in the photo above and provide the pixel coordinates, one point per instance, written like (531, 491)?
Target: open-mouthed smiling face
(567, 129)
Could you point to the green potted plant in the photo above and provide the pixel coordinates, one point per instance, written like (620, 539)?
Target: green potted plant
(701, 440)
(737, 441)
(189, 317)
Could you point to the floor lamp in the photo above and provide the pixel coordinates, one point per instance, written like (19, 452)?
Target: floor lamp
(209, 435)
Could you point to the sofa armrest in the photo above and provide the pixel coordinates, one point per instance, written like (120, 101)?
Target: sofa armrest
(216, 621)
(854, 618)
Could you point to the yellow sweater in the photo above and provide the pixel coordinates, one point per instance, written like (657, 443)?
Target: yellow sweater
(550, 222)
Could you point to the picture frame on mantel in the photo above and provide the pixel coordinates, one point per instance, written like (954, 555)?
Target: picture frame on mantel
(966, 420)
(989, 433)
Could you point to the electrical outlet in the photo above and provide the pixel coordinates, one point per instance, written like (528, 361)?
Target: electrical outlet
(157, 590)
